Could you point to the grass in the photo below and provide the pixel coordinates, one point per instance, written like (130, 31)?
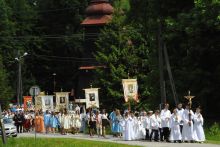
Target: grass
(213, 139)
(58, 142)
(212, 133)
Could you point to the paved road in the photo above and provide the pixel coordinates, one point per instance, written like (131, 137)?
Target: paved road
(119, 140)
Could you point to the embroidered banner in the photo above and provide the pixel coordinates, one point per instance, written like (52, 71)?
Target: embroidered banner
(130, 87)
(92, 97)
(28, 102)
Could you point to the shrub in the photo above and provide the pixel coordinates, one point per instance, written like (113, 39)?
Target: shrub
(214, 129)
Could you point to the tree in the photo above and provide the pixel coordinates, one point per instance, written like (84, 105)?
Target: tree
(122, 49)
(5, 90)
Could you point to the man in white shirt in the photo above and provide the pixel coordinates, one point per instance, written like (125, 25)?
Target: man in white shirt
(180, 111)
(165, 122)
(145, 120)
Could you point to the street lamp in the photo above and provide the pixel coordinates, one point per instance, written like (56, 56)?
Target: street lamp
(54, 81)
(19, 83)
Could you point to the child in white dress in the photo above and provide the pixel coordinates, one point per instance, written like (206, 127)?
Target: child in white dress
(198, 126)
(175, 134)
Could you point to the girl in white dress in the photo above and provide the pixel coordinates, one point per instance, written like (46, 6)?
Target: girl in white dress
(98, 123)
(66, 122)
(175, 134)
(72, 121)
(128, 127)
(77, 121)
(198, 126)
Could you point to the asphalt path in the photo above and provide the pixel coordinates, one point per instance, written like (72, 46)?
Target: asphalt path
(118, 140)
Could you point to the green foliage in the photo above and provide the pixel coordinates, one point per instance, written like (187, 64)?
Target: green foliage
(5, 89)
(123, 50)
(214, 129)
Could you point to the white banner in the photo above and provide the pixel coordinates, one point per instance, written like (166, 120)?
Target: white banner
(92, 97)
(130, 87)
(47, 102)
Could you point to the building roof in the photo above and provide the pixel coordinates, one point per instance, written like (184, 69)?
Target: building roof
(90, 67)
(98, 13)
(99, 9)
(97, 20)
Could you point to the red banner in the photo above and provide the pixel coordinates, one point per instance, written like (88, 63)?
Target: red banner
(27, 102)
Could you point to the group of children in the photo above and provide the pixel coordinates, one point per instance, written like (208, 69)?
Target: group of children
(181, 126)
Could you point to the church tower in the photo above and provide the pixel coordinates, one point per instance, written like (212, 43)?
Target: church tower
(99, 13)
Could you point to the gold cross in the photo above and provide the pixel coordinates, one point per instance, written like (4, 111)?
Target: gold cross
(189, 98)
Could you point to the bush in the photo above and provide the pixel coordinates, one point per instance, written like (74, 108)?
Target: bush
(214, 129)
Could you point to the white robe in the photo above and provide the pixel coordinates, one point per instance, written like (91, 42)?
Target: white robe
(165, 118)
(180, 113)
(175, 133)
(138, 129)
(145, 120)
(187, 134)
(198, 127)
(155, 122)
(128, 133)
(66, 121)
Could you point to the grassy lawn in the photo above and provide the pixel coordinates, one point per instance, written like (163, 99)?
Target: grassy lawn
(212, 132)
(58, 142)
(213, 139)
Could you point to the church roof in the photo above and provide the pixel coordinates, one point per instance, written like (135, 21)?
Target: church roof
(97, 20)
(98, 13)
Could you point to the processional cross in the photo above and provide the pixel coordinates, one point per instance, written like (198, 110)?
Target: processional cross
(189, 98)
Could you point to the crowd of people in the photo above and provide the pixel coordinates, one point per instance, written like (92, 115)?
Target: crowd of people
(182, 125)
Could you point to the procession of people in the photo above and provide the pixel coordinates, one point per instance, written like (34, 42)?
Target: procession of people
(182, 125)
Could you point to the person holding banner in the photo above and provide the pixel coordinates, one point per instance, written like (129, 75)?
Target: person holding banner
(188, 116)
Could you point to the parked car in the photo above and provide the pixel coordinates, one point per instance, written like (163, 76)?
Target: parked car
(10, 128)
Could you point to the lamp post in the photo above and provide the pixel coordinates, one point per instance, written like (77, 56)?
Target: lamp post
(54, 82)
(19, 82)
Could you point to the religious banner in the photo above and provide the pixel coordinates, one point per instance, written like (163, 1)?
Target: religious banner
(92, 97)
(62, 100)
(27, 102)
(130, 87)
(47, 102)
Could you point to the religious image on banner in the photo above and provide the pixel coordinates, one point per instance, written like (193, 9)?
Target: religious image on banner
(47, 102)
(92, 97)
(27, 102)
(62, 100)
(130, 88)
